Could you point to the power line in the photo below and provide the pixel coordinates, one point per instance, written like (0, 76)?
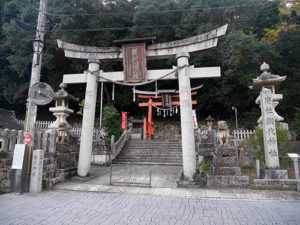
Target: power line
(158, 11)
(145, 27)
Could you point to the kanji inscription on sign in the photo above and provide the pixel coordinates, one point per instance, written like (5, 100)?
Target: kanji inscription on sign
(135, 62)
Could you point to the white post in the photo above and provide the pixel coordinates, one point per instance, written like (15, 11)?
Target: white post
(186, 116)
(37, 171)
(296, 168)
(257, 168)
(86, 140)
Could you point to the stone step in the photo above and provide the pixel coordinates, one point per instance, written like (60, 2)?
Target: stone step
(152, 146)
(147, 151)
(225, 151)
(148, 163)
(147, 155)
(229, 161)
(149, 159)
(233, 171)
(220, 181)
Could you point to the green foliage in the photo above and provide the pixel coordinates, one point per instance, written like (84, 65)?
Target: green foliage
(203, 166)
(81, 106)
(239, 53)
(282, 142)
(296, 123)
(112, 121)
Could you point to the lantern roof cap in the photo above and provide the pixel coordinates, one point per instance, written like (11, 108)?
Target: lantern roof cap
(267, 78)
(209, 118)
(63, 94)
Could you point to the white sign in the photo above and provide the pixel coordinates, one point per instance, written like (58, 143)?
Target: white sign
(18, 156)
(293, 155)
(195, 123)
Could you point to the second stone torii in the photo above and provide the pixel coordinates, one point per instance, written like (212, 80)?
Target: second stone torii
(131, 54)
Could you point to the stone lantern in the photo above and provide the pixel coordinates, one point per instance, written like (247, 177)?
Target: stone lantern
(269, 81)
(61, 110)
(209, 121)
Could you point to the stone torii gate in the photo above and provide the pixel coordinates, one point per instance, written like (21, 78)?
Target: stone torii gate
(179, 49)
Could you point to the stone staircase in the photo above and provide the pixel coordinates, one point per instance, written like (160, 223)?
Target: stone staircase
(156, 152)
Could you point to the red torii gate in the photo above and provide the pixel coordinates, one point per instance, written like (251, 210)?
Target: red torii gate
(150, 103)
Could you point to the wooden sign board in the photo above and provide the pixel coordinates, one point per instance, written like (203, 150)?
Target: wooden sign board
(134, 62)
(18, 157)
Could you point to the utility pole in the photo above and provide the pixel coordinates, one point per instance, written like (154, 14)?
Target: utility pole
(36, 67)
(31, 110)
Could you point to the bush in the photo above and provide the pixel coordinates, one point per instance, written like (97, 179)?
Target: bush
(112, 122)
(258, 143)
(203, 166)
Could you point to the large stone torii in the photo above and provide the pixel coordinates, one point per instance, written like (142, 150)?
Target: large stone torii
(179, 49)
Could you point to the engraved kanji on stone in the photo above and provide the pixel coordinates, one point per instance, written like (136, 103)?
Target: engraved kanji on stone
(268, 100)
(272, 141)
(269, 110)
(270, 121)
(271, 131)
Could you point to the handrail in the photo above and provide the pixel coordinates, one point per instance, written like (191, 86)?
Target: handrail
(117, 146)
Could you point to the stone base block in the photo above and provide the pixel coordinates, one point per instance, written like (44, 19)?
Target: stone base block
(298, 185)
(205, 150)
(282, 184)
(276, 174)
(233, 171)
(225, 151)
(229, 161)
(101, 159)
(220, 181)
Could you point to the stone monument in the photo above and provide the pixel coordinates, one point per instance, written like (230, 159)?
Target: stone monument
(266, 82)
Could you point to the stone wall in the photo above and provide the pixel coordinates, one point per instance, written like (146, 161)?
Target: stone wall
(8, 139)
(60, 159)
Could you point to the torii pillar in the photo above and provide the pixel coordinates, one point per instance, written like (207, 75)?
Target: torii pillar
(186, 117)
(86, 140)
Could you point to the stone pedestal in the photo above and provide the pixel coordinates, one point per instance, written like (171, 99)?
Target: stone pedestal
(276, 174)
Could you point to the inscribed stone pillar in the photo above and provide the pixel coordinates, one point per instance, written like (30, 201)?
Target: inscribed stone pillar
(37, 171)
(186, 116)
(86, 141)
(269, 130)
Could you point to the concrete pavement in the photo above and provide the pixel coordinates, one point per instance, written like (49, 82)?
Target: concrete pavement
(72, 207)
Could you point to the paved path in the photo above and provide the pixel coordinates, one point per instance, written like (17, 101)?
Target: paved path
(161, 176)
(70, 207)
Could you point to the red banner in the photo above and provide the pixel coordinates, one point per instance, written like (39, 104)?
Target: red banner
(124, 120)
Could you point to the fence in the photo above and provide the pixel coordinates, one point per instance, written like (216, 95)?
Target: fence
(242, 134)
(43, 125)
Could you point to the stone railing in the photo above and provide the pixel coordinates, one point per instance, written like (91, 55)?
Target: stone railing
(242, 134)
(117, 146)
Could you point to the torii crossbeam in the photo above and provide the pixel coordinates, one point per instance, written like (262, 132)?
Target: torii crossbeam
(179, 49)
